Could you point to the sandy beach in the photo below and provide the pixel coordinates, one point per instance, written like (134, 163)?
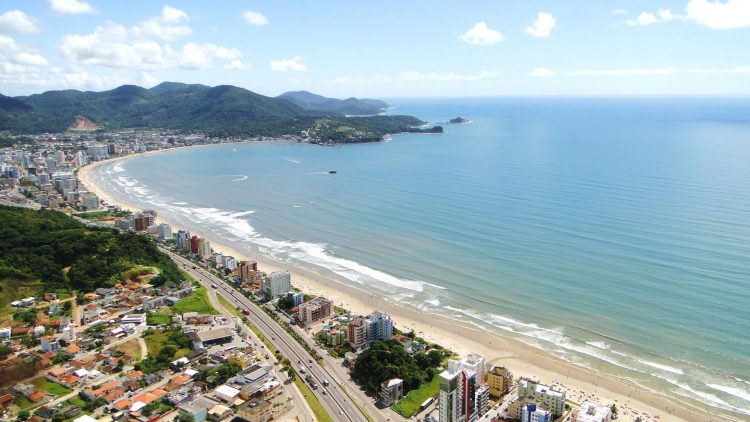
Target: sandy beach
(580, 383)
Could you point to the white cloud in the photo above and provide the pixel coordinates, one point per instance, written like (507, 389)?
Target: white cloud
(141, 47)
(729, 14)
(542, 72)
(17, 59)
(200, 56)
(294, 64)
(620, 12)
(254, 18)
(543, 25)
(17, 22)
(450, 76)
(169, 26)
(647, 18)
(481, 34)
(70, 7)
(626, 72)
(237, 65)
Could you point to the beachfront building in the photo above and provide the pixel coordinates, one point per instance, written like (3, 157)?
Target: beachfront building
(90, 201)
(182, 240)
(315, 310)
(165, 231)
(204, 248)
(550, 399)
(229, 263)
(361, 331)
(248, 272)
(379, 326)
(296, 297)
(391, 391)
(483, 399)
(98, 152)
(593, 412)
(450, 396)
(476, 363)
(532, 413)
(195, 244)
(276, 284)
(356, 333)
(142, 221)
(499, 379)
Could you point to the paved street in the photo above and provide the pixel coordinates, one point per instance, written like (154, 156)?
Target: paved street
(336, 401)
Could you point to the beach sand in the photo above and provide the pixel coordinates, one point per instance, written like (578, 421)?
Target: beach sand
(580, 383)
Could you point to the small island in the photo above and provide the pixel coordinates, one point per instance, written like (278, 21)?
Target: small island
(434, 129)
(458, 121)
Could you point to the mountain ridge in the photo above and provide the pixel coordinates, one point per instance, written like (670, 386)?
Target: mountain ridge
(221, 111)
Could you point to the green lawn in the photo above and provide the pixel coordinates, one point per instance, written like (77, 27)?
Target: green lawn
(225, 303)
(409, 405)
(50, 387)
(24, 403)
(196, 302)
(77, 401)
(157, 340)
(320, 412)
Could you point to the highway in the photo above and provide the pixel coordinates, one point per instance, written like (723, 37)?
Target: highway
(339, 405)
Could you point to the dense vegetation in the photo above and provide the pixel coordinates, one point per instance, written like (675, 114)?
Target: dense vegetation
(384, 360)
(217, 111)
(61, 253)
(164, 346)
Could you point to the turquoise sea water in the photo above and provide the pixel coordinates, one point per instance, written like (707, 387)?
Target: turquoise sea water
(614, 233)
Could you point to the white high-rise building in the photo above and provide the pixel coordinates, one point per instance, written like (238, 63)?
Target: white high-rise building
(379, 326)
(476, 363)
(450, 398)
(165, 231)
(550, 399)
(276, 284)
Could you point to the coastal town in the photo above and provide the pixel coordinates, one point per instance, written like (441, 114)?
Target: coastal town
(227, 341)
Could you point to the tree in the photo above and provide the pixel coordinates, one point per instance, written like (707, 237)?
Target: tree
(4, 351)
(384, 360)
(613, 408)
(186, 417)
(23, 415)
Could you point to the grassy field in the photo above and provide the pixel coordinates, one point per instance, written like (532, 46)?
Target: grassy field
(131, 348)
(162, 316)
(50, 387)
(158, 340)
(320, 412)
(13, 289)
(225, 303)
(196, 302)
(77, 401)
(409, 405)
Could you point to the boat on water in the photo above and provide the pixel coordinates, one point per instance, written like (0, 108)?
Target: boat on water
(331, 171)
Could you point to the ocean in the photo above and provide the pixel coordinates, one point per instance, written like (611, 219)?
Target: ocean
(611, 232)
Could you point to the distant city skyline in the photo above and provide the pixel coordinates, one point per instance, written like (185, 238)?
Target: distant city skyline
(383, 49)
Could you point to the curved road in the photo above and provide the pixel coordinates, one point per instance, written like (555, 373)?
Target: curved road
(339, 405)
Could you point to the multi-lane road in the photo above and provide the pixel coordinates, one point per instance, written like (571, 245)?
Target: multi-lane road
(339, 405)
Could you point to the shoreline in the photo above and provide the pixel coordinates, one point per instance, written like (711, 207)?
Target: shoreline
(520, 358)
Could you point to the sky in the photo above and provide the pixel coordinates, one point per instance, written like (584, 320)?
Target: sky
(381, 49)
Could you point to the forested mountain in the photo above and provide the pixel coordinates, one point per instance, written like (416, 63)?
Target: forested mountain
(349, 106)
(218, 111)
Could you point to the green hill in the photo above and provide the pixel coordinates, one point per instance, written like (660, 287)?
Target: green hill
(349, 106)
(217, 111)
(50, 250)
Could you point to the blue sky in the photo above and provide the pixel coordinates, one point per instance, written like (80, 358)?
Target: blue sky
(381, 49)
